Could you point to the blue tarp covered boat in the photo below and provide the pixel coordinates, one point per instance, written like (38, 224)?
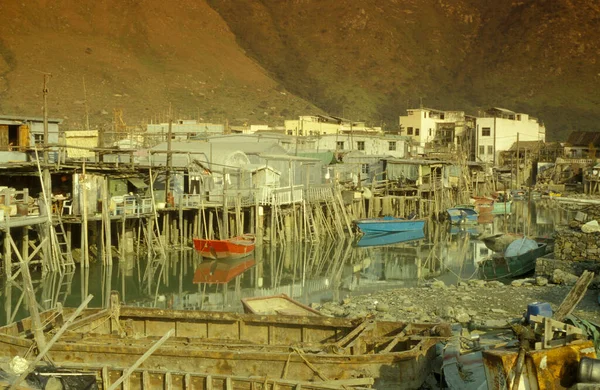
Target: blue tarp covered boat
(389, 225)
(462, 215)
(380, 239)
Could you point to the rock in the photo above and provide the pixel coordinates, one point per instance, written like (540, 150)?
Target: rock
(438, 284)
(463, 318)
(494, 283)
(346, 300)
(315, 305)
(382, 307)
(53, 384)
(541, 281)
(477, 283)
(446, 312)
(517, 283)
(562, 277)
(498, 311)
(18, 365)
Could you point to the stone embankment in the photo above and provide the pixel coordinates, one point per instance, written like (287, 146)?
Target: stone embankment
(476, 302)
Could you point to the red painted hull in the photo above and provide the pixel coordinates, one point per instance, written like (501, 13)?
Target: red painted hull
(230, 248)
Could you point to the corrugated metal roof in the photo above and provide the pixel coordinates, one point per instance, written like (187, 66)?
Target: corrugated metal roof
(20, 118)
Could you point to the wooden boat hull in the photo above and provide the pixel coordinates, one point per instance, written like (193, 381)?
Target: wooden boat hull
(389, 225)
(240, 344)
(178, 380)
(510, 267)
(462, 215)
(277, 304)
(230, 248)
(380, 239)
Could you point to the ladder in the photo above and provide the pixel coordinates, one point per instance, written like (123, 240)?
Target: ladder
(312, 230)
(61, 247)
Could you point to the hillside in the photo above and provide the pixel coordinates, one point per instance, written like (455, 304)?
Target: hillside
(265, 60)
(138, 56)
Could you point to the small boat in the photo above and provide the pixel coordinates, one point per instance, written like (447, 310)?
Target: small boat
(277, 305)
(231, 247)
(518, 259)
(397, 355)
(381, 239)
(220, 271)
(502, 207)
(499, 242)
(389, 224)
(460, 215)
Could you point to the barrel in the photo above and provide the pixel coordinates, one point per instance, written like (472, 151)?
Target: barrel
(588, 371)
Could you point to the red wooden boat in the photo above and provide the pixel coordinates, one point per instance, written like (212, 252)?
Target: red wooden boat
(232, 247)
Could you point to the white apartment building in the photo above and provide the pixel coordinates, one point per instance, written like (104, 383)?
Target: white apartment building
(500, 128)
(428, 126)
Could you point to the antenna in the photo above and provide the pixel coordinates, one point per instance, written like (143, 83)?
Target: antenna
(87, 113)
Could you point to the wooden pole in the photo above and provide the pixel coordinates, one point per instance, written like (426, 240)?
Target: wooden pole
(47, 347)
(145, 356)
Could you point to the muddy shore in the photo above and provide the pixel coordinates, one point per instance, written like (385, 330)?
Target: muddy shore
(472, 302)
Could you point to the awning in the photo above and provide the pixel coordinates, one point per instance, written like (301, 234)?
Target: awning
(138, 183)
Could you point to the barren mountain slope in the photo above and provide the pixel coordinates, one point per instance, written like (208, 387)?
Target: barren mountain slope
(372, 59)
(365, 59)
(140, 56)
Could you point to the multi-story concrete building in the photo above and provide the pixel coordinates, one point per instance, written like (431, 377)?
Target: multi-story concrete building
(500, 128)
(323, 124)
(435, 128)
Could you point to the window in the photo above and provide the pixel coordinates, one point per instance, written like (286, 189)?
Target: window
(340, 145)
(481, 150)
(490, 149)
(392, 145)
(360, 145)
(364, 168)
(483, 251)
(409, 130)
(416, 131)
(485, 131)
(38, 139)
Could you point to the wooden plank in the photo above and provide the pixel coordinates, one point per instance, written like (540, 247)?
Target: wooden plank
(574, 296)
(168, 381)
(142, 359)
(187, 381)
(146, 380)
(209, 382)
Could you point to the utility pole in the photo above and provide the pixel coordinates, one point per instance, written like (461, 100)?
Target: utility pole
(87, 111)
(169, 161)
(46, 177)
(518, 181)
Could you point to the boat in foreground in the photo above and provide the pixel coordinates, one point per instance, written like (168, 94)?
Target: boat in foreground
(232, 247)
(389, 224)
(277, 304)
(84, 375)
(518, 259)
(397, 355)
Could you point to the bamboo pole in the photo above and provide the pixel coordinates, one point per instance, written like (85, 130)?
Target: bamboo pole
(84, 227)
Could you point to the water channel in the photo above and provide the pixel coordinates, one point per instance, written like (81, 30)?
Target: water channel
(309, 273)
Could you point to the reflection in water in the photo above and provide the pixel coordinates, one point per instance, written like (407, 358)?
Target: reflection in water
(306, 272)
